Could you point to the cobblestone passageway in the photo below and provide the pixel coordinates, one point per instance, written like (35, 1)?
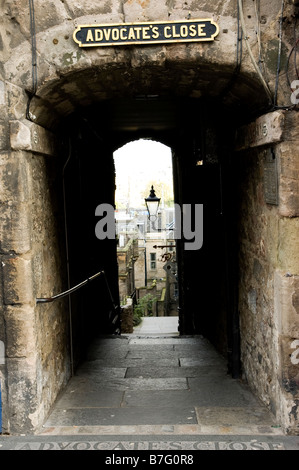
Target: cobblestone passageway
(155, 382)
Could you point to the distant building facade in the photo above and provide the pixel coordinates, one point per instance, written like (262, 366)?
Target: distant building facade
(146, 251)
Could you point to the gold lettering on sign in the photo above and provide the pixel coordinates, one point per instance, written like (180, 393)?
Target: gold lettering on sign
(145, 33)
(89, 36)
(131, 34)
(174, 33)
(155, 32)
(107, 33)
(166, 34)
(138, 30)
(200, 30)
(184, 31)
(192, 30)
(98, 35)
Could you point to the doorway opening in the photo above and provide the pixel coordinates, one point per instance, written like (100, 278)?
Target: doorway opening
(203, 174)
(146, 245)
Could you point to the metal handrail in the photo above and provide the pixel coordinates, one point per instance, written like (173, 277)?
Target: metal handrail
(69, 291)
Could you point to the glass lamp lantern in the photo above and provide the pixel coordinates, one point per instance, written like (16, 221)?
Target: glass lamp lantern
(152, 204)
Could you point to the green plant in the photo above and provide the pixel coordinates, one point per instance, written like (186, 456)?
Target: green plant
(143, 307)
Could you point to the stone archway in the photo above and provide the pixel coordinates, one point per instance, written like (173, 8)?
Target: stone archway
(68, 81)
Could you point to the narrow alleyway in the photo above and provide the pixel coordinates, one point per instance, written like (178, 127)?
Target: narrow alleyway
(155, 382)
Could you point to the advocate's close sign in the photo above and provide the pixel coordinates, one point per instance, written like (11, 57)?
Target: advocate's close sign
(145, 33)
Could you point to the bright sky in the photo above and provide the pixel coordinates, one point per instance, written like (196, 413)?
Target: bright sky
(138, 165)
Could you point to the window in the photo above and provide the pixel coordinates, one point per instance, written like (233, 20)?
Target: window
(176, 291)
(153, 260)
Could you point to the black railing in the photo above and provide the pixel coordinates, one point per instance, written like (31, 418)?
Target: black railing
(73, 289)
(114, 314)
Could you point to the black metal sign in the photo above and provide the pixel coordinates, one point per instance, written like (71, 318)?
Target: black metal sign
(145, 33)
(271, 178)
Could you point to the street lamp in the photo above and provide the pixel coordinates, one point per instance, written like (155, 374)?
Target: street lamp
(152, 203)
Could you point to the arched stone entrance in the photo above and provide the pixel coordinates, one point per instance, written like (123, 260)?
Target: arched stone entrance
(194, 97)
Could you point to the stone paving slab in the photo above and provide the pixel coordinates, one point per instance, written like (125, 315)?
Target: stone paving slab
(180, 398)
(193, 341)
(95, 383)
(153, 354)
(225, 392)
(142, 384)
(177, 399)
(134, 362)
(104, 372)
(201, 361)
(122, 416)
(99, 353)
(155, 347)
(236, 416)
(155, 325)
(83, 397)
(170, 351)
(166, 371)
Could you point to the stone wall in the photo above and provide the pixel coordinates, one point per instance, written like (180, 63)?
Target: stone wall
(36, 363)
(126, 258)
(259, 236)
(127, 313)
(268, 284)
(59, 59)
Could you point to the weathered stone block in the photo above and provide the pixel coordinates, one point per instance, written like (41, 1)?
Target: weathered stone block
(25, 135)
(127, 319)
(16, 67)
(288, 255)
(2, 95)
(4, 135)
(17, 100)
(14, 177)
(2, 353)
(286, 304)
(149, 10)
(288, 153)
(289, 365)
(20, 337)
(22, 399)
(265, 130)
(17, 280)
(289, 160)
(20, 136)
(289, 197)
(85, 7)
(15, 228)
(47, 17)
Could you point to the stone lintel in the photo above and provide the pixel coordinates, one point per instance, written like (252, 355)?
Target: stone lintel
(28, 136)
(265, 130)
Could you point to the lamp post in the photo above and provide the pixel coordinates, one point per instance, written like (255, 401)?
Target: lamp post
(152, 204)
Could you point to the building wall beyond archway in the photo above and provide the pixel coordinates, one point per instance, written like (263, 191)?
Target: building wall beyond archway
(45, 78)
